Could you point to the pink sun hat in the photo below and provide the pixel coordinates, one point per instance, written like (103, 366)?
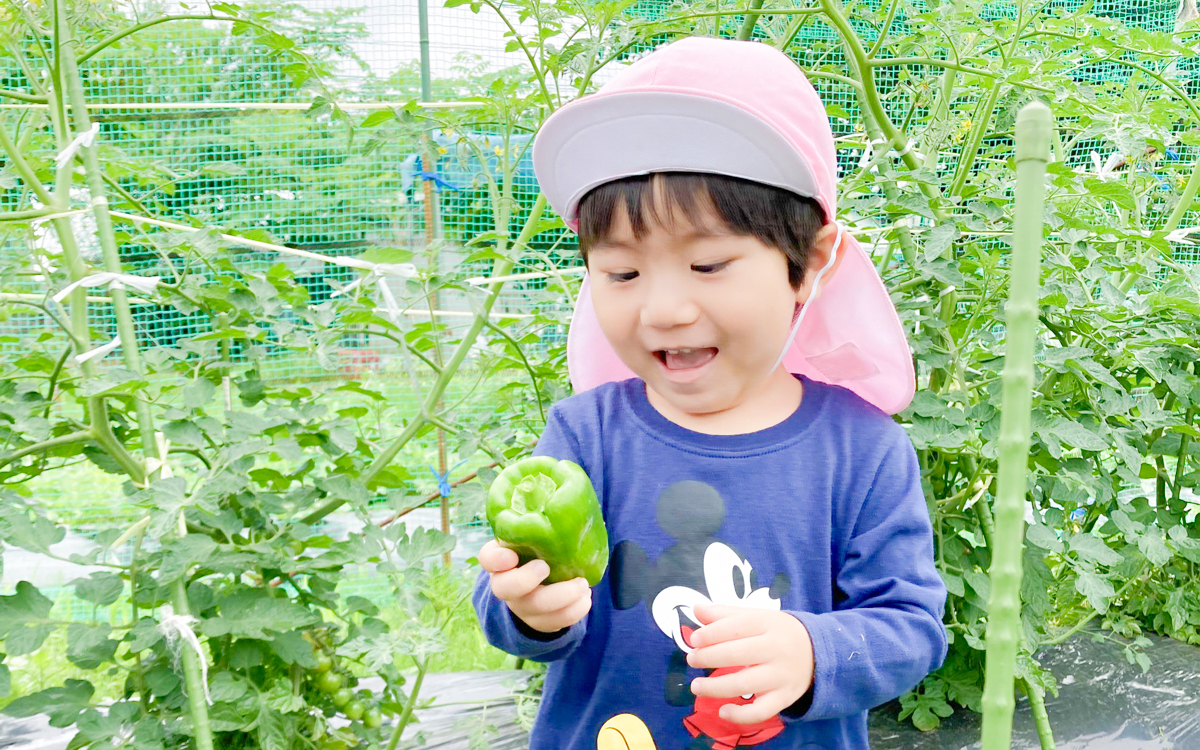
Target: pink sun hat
(741, 109)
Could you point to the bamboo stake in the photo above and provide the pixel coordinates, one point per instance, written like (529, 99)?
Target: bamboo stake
(1034, 126)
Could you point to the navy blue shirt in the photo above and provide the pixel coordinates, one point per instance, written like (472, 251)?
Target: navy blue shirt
(822, 516)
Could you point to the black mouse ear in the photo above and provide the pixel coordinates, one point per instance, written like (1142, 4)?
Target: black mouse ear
(780, 586)
(629, 575)
(690, 510)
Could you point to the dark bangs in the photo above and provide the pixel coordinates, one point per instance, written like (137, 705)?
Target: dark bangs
(778, 218)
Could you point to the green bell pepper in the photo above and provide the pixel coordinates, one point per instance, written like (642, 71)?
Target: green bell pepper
(546, 509)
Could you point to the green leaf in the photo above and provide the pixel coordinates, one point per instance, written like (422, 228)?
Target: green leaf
(89, 646)
(198, 393)
(1076, 435)
(954, 584)
(36, 533)
(1043, 537)
(378, 117)
(181, 554)
(280, 697)
(939, 240)
(101, 589)
(270, 727)
(184, 433)
(294, 649)
(227, 688)
(251, 613)
(1097, 590)
(1115, 192)
(143, 635)
(62, 704)
(1154, 548)
(423, 543)
(981, 584)
(5, 682)
(1089, 547)
(22, 620)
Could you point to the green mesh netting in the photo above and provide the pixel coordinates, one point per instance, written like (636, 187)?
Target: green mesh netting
(298, 177)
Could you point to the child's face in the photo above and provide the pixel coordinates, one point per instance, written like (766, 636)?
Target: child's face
(699, 314)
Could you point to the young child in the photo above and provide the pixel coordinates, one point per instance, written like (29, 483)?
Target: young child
(735, 357)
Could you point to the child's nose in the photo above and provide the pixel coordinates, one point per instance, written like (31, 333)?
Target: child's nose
(664, 309)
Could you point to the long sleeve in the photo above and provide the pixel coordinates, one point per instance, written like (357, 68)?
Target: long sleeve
(500, 627)
(885, 634)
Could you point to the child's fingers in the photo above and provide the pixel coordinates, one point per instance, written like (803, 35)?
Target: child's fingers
(496, 559)
(563, 618)
(765, 706)
(748, 681)
(554, 596)
(733, 625)
(510, 585)
(740, 652)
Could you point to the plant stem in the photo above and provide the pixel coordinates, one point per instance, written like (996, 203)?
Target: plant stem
(1041, 720)
(402, 721)
(537, 391)
(501, 268)
(104, 226)
(747, 29)
(1034, 124)
(26, 172)
(1173, 221)
(978, 128)
(197, 706)
(1084, 622)
(73, 437)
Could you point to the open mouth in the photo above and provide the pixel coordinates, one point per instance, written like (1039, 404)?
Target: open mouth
(687, 626)
(686, 359)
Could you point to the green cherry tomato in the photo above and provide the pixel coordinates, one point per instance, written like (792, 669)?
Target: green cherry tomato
(329, 682)
(297, 547)
(372, 719)
(354, 710)
(342, 697)
(324, 664)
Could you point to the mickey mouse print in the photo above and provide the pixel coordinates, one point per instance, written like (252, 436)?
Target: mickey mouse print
(696, 569)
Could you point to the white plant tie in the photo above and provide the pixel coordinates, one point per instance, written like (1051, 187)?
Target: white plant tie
(1181, 235)
(99, 352)
(143, 284)
(812, 297)
(378, 271)
(177, 629)
(155, 464)
(83, 140)
(868, 151)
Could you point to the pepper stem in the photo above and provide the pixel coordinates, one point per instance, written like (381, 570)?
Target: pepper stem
(532, 494)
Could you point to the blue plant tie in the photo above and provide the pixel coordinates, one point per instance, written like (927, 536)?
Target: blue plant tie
(441, 183)
(443, 480)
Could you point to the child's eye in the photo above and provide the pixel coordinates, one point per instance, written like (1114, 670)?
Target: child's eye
(710, 267)
(618, 278)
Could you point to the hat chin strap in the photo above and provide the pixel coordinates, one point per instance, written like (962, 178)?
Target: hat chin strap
(816, 292)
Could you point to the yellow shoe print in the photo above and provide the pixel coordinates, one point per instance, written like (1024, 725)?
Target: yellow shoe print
(624, 732)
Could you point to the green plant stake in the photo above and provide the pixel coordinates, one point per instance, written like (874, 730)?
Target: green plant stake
(1034, 126)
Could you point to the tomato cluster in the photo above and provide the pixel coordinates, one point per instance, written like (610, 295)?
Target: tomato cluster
(329, 679)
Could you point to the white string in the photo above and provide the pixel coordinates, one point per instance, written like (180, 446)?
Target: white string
(143, 284)
(99, 352)
(179, 628)
(378, 271)
(812, 297)
(83, 140)
(155, 464)
(1181, 235)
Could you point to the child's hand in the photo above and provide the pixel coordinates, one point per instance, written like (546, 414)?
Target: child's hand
(773, 646)
(548, 608)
